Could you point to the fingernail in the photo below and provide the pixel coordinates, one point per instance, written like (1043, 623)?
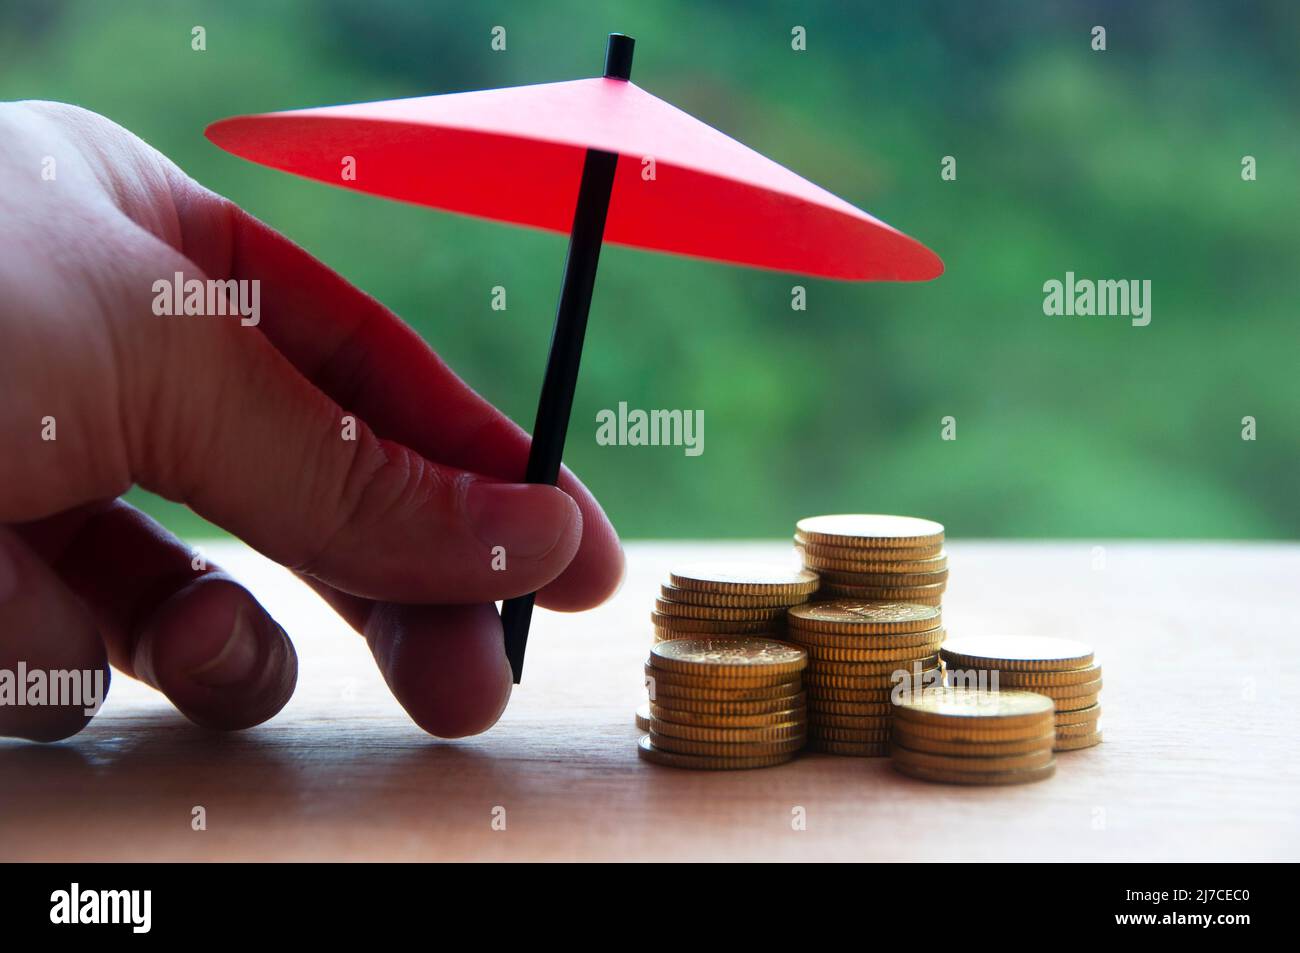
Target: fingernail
(237, 658)
(8, 572)
(525, 519)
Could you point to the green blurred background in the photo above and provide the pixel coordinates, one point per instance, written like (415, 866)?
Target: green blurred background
(1121, 164)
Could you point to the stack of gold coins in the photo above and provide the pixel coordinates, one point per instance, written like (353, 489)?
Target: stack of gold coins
(858, 653)
(718, 704)
(874, 557)
(721, 600)
(960, 736)
(1061, 669)
(727, 601)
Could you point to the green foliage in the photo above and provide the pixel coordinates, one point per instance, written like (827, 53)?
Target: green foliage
(1119, 164)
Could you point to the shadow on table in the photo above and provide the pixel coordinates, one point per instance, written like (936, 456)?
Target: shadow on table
(145, 784)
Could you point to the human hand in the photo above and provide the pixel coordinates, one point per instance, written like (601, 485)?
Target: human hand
(246, 424)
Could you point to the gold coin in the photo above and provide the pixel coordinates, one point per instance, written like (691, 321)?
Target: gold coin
(677, 625)
(719, 749)
(846, 572)
(1067, 692)
(975, 732)
(1078, 716)
(870, 530)
(880, 666)
(896, 593)
(659, 690)
(829, 591)
(1077, 730)
(707, 679)
(669, 635)
(1032, 681)
(731, 600)
(828, 640)
(943, 706)
(715, 720)
(1076, 742)
(984, 680)
(818, 655)
(825, 707)
(885, 575)
(643, 717)
(685, 610)
(851, 617)
(648, 752)
(818, 696)
(893, 563)
(734, 658)
(672, 708)
(827, 670)
(852, 749)
(910, 672)
(966, 679)
(867, 554)
(1076, 702)
(927, 681)
(785, 731)
(855, 735)
(977, 749)
(898, 580)
(857, 722)
(742, 579)
(982, 764)
(815, 681)
(1021, 653)
(944, 776)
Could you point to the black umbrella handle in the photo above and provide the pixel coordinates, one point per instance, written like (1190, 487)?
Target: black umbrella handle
(556, 401)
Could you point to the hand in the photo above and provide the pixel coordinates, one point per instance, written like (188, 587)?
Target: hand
(246, 424)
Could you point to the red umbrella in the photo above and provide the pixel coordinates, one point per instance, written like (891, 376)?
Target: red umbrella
(548, 156)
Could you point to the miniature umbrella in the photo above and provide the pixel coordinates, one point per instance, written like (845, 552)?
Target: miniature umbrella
(548, 156)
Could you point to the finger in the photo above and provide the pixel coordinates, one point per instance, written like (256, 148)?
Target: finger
(365, 358)
(47, 640)
(220, 659)
(251, 445)
(446, 665)
(169, 618)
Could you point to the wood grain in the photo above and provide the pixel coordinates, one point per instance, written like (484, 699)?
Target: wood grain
(1198, 643)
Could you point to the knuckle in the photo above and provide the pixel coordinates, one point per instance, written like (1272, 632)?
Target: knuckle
(380, 486)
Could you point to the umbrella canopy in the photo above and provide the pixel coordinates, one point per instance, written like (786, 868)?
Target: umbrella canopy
(516, 155)
(549, 156)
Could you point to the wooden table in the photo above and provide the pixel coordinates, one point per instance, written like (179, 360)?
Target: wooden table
(1198, 643)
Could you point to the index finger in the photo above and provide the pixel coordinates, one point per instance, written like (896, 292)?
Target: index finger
(368, 360)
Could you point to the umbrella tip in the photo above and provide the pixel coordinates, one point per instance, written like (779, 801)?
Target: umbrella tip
(618, 56)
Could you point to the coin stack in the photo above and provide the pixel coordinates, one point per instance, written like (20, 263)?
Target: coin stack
(1061, 669)
(964, 736)
(719, 704)
(874, 557)
(721, 600)
(858, 653)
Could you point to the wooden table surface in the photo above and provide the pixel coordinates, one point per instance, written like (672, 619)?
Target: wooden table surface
(1197, 641)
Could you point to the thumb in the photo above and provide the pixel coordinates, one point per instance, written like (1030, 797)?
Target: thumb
(244, 439)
